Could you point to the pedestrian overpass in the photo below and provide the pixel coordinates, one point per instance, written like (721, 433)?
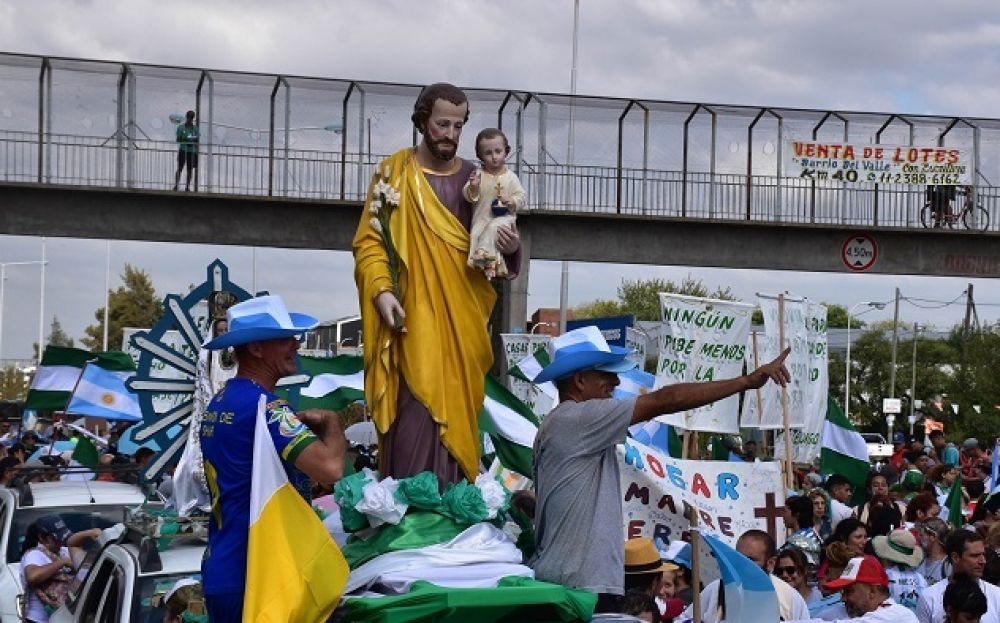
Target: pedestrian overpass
(87, 150)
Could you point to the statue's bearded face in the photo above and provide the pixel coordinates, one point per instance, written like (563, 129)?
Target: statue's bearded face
(444, 128)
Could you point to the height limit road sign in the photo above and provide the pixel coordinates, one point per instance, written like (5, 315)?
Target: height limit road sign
(859, 252)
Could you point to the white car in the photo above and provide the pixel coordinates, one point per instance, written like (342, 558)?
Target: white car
(117, 584)
(82, 505)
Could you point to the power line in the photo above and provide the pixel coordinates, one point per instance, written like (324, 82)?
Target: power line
(935, 304)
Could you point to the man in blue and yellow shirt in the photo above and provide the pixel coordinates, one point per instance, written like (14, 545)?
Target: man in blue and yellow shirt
(311, 443)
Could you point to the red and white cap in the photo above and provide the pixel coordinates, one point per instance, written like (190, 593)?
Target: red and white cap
(864, 569)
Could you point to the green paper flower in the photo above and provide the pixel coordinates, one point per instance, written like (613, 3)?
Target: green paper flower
(350, 490)
(347, 493)
(420, 491)
(464, 502)
(352, 519)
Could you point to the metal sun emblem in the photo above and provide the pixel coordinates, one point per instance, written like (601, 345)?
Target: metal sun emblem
(165, 379)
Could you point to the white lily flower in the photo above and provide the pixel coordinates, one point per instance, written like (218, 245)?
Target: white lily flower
(392, 197)
(374, 207)
(376, 225)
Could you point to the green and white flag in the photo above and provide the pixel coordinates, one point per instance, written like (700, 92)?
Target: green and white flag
(336, 382)
(529, 367)
(339, 381)
(511, 426)
(60, 371)
(844, 449)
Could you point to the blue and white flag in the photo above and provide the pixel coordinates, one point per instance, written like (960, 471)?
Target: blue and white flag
(994, 470)
(750, 596)
(634, 383)
(103, 394)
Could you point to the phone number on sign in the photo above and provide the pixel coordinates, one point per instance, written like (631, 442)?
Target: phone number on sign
(944, 179)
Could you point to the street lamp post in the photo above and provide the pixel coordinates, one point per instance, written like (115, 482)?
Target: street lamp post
(847, 378)
(541, 324)
(3, 280)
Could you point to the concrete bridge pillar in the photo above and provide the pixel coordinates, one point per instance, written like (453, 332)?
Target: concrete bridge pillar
(514, 298)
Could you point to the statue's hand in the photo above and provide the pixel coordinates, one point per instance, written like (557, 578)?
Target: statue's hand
(390, 309)
(474, 181)
(508, 240)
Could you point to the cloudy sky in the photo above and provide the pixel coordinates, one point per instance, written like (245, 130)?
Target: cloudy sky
(887, 55)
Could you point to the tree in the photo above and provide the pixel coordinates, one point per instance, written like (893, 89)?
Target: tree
(836, 317)
(57, 337)
(976, 383)
(134, 304)
(641, 298)
(598, 308)
(12, 384)
(871, 355)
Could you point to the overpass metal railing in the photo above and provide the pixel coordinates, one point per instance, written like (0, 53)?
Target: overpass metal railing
(124, 162)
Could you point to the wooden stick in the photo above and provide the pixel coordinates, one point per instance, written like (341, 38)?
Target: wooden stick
(684, 445)
(789, 472)
(696, 564)
(756, 364)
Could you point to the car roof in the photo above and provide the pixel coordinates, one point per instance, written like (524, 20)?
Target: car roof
(80, 493)
(178, 559)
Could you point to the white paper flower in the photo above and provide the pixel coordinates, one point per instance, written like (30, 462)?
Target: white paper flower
(375, 206)
(380, 504)
(512, 531)
(376, 225)
(494, 495)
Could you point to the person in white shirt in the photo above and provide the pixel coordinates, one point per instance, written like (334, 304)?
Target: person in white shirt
(864, 587)
(901, 556)
(759, 547)
(967, 554)
(47, 564)
(840, 493)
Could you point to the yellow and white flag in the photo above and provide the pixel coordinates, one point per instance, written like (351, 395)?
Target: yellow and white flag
(295, 571)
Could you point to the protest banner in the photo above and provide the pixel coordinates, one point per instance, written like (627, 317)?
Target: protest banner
(766, 412)
(702, 340)
(635, 341)
(878, 164)
(807, 441)
(518, 346)
(729, 497)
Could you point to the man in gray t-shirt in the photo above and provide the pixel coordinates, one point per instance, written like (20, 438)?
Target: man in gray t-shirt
(580, 538)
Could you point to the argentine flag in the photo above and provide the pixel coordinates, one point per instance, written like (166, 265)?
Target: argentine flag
(102, 393)
(749, 593)
(634, 383)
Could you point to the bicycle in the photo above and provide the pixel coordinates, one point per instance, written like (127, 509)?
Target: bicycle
(972, 215)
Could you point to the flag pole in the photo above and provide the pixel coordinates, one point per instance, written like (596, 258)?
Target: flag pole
(52, 442)
(789, 473)
(696, 562)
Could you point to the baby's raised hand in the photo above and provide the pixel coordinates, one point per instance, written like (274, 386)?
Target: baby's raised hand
(474, 179)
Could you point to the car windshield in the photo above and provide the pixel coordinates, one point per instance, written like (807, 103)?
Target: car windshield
(76, 519)
(143, 608)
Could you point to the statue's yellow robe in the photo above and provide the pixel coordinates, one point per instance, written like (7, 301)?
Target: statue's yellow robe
(446, 352)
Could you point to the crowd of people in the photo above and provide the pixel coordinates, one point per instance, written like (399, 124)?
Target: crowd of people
(50, 552)
(894, 553)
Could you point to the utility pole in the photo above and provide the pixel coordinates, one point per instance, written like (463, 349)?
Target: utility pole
(967, 326)
(913, 379)
(895, 338)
